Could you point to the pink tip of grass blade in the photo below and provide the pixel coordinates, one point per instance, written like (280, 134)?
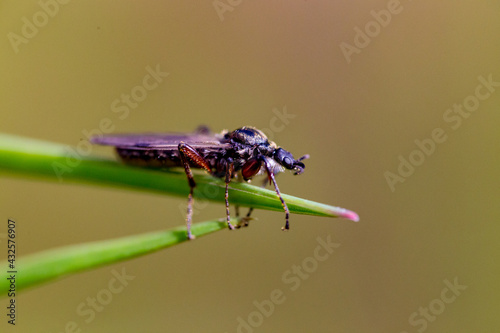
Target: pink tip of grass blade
(347, 214)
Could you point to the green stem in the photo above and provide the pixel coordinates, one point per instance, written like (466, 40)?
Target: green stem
(48, 265)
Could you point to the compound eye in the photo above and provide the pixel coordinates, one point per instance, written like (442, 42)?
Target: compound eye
(251, 168)
(284, 158)
(288, 162)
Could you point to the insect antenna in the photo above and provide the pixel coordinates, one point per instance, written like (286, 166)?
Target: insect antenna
(305, 157)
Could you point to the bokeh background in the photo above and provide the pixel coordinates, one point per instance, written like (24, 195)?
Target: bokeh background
(234, 63)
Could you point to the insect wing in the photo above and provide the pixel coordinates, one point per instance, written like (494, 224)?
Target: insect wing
(160, 141)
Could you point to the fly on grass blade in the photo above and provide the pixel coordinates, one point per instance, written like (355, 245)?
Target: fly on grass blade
(244, 153)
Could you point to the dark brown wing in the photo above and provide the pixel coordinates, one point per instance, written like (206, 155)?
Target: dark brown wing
(160, 141)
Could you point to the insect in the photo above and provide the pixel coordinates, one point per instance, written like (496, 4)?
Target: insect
(242, 153)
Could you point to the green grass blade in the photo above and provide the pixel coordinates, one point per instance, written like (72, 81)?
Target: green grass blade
(51, 264)
(25, 157)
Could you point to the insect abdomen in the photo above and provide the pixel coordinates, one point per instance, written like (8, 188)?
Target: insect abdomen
(149, 157)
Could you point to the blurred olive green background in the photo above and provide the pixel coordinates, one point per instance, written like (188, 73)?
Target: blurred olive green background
(355, 119)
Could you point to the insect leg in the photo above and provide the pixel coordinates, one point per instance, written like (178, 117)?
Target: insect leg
(270, 175)
(250, 210)
(229, 173)
(264, 183)
(245, 221)
(189, 214)
(189, 154)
